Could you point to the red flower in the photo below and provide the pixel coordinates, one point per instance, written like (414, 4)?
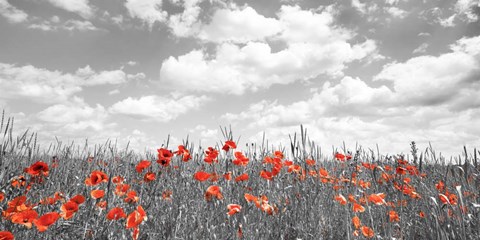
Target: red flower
(43, 222)
(164, 157)
(37, 168)
(213, 191)
(149, 176)
(68, 210)
(142, 165)
(201, 176)
(241, 178)
(116, 213)
(211, 155)
(229, 144)
(240, 159)
(6, 235)
(96, 177)
(97, 193)
(233, 208)
(136, 217)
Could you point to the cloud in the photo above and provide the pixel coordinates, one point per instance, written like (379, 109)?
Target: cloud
(239, 25)
(158, 108)
(431, 80)
(313, 47)
(421, 49)
(45, 86)
(69, 25)
(81, 7)
(465, 8)
(149, 11)
(11, 13)
(186, 23)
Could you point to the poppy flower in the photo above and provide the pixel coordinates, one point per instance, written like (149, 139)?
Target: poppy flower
(201, 176)
(421, 214)
(149, 176)
(25, 217)
(42, 223)
(131, 197)
(367, 232)
(358, 208)
(250, 198)
(240, 159)
(443, 198)
(142, 165)
(266, 175)
(310, 162)
(37, 168)
(121, 189)
(96, 177)
(378, 198)
(341, 199)
(97, 193)
(136, 217)
(233, 208)
(101, 204)
(68, 210)
(227, 176)
(356, 222)
(213, 191)
(340, 157)
(393, 216)
(241, 178)
(440, 185)
(116, 213)
(211, 155)
(78, 199)
(164, 157)
(2, 196)
(117, 179)
(278, 154)
(6, 235)
(229, 145)
(401, 171)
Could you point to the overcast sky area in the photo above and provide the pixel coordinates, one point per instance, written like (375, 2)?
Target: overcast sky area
(369, 72)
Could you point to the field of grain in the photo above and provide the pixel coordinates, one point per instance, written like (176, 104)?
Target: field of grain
(233, 191)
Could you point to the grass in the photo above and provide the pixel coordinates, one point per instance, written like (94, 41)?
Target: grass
(301, 201)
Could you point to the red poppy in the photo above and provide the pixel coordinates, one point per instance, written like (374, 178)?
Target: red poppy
(356, 222)
(211, 155)
(213, 191)
(68, 210)
(310, 162)
(136, 217)
(79, 199)
(367, 232)
(393, 216)
(341, 199)
(278, 154)
(241, 178)
(42, 223)
(142, 165)
(340, 157)
(116, 213)
(97, 193)
(19, 181)
(121, 189)
(440, 185)
(358, 208)
(229, 145)
(2, 196)
(233, 208)
(6, 235)
(25, 217)
(240, 159)
(227, 176)
(96, 177)
(186, 154)
(117, 179)
(201, 176)
(149, 176)
(266, 175)
(37, 168)
(378, 198)
(131, 197)
(164, 157)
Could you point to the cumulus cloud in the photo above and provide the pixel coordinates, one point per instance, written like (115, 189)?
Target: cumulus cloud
(431, 80)
(11, 13)
(239, 25)
(158, 108)
(54, 24)
(45, 86)
(149, 11)
(186, 23)
(81, 7)
(314, 46)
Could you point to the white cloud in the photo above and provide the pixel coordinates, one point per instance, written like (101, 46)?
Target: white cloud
(81, 7)
(158, 108)
(149, 11)
(45, 86)
(421, 49)
(11, 13)
(69, 25)
(239, 25)
(433, 80)
(465, 9)
(396, 12)
(186, 24)
(313, 47)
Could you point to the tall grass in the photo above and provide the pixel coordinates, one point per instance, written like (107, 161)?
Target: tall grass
(306, 207)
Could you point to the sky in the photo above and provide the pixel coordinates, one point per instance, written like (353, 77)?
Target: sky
(351, 71)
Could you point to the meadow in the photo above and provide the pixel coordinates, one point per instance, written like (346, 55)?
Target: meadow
(233, 191)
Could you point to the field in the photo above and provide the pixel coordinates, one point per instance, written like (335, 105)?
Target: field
(233, 191)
